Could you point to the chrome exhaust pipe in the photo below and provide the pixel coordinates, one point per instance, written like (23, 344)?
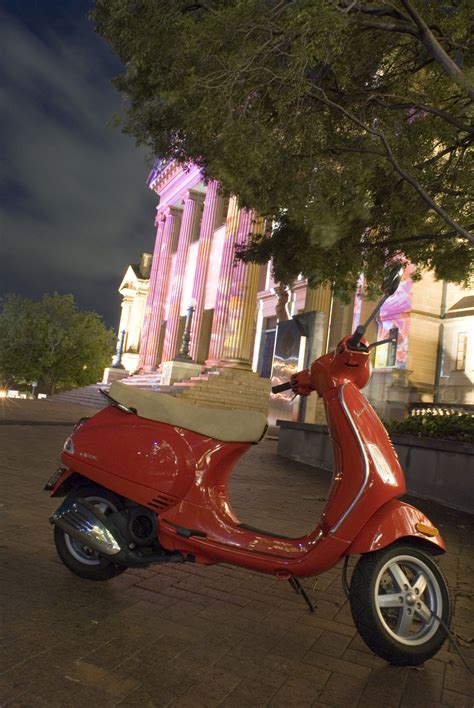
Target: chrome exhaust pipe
(85, 522)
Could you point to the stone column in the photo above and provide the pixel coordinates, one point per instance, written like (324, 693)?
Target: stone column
(221, 308)
(125, 318)
(319, 299)
(208, 224)
(242, 305)
(149, 309)
(168, 241)
(189, 225)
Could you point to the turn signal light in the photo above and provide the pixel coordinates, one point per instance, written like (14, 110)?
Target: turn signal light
(427, 530)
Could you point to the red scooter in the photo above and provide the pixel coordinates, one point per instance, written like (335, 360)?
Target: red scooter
(146, 479)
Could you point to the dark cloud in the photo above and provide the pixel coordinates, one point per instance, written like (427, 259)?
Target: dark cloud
(76, 208)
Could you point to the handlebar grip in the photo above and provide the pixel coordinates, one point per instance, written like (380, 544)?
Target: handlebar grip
(354, 341)
(281, 387)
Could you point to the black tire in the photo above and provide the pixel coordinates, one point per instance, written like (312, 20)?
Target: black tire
(82, 562)
(395, 620)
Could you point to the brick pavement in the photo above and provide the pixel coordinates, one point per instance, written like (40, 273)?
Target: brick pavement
(189, 636)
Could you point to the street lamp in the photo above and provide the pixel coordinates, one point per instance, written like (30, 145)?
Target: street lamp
(183, 353)
(117, 360)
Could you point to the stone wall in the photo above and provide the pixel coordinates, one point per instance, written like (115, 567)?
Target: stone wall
(441, 470)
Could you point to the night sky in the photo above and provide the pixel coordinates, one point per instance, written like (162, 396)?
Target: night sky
(75, 207)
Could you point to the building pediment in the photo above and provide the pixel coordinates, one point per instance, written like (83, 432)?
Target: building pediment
(132, 281)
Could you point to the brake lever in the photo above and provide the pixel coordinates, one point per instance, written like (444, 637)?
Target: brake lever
(381, 341)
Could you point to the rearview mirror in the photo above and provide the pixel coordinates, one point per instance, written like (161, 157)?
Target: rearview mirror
(392, 280)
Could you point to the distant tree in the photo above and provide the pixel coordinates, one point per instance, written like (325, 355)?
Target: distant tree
(51, 341)
(346, 121)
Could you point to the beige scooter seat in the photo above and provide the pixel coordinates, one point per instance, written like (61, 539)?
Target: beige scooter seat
(218, 423)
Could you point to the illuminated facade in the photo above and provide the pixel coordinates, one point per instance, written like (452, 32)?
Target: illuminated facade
(237, 306)
(134, 292)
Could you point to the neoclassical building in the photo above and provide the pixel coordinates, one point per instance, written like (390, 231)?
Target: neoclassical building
(238, 309)
(134, 292)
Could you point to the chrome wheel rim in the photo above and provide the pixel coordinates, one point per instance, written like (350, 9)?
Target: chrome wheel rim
(79, 551)
(407, 598)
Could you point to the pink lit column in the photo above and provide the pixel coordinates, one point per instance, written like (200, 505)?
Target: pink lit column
(170, 235)
(242, 305)
(189, 226)
(208, 224)
(148, 319)
(225, 278)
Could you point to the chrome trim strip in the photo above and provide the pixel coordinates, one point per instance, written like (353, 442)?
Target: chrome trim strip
(366, 463)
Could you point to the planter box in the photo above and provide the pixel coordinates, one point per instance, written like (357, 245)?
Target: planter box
(441, 470)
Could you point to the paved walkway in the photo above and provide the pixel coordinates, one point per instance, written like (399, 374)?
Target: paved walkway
(189, 636)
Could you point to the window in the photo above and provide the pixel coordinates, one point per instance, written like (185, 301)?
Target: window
(461, 351)
(268, 347)
(392, 346)
(222, 216)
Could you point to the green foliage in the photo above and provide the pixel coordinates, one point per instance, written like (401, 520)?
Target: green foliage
(448, 426)
(346, 122)
(51, 341)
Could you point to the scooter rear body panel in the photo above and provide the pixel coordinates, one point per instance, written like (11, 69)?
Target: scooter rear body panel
(148, 462)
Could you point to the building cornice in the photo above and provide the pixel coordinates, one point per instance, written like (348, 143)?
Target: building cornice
(164, 175)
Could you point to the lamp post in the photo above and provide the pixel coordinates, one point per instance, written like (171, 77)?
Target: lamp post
(183, 353)
(117, 360)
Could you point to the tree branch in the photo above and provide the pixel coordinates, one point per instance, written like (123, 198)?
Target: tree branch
(428, 109)
(384, 11)
(360, 150)
(419, 29)
(401, 27)
(437, 51)
(423, 193)
(322, 97)
(422, 237)
(447, 151)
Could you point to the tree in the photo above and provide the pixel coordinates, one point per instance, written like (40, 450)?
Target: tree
(52, 342)
(346, 122)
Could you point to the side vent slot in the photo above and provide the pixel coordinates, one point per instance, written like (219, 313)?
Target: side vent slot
(162, 501)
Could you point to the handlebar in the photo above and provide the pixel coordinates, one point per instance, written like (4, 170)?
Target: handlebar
(354, 341)
(281, 387)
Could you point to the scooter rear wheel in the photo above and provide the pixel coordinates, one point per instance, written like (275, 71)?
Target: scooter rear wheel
(81, 560)
(396, 595)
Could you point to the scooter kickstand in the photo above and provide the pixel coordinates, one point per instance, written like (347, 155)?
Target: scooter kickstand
(299, 590)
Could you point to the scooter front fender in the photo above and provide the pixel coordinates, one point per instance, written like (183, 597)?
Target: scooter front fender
(394, 521)
(59, 483)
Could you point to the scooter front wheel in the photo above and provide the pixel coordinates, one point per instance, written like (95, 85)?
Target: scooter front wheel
(79, 558)
(396, 596)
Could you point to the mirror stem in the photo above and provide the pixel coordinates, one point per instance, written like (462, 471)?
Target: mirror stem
(375, 312)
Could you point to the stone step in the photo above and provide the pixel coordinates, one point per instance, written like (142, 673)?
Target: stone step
(222, 388)
(142, 380)
(86, 396)
(171, 389)
(211, 388)
(142, 384)
(205, 376)
(91, 396)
